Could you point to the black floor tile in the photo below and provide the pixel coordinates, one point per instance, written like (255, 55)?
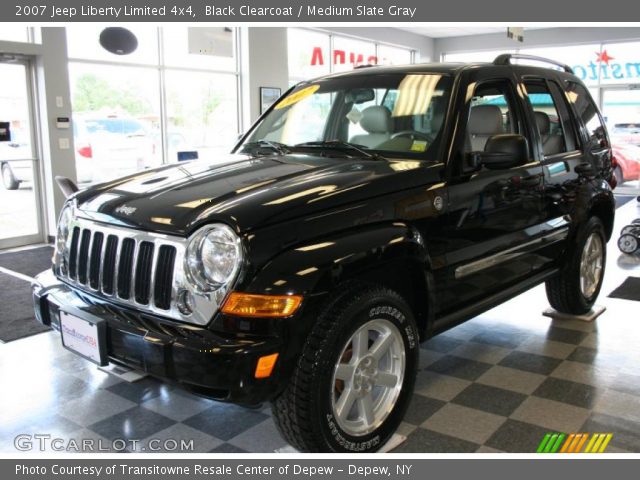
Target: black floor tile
(564, 391)
(591, 356)
(566, 335)
(136, 423)
(442, 344)
(505, 338)
(517, 437)
(421, 408)
(422, 440)
(530, 362)
(225, 421)
(459, 367)
(490, 399)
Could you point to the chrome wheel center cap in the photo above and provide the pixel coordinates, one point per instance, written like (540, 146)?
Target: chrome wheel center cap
(364, 376)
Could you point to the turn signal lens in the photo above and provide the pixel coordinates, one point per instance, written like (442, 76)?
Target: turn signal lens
(265, 365)
(270, 306)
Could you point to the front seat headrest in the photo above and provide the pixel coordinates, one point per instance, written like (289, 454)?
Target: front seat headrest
(376, 119)
(485, 120)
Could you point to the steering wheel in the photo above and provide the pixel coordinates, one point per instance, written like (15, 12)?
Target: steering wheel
(414, 135)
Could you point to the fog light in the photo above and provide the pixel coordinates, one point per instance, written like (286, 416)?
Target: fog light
(185, 303)
(265, 365)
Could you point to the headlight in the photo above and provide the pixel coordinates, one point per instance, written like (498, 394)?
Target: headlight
(213, 257)
(62, 236)
(64, 221)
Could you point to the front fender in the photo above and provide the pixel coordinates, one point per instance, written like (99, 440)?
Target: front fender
(320, 265)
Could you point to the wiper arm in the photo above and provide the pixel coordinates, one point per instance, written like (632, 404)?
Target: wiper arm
(281, 148)
(343, 145)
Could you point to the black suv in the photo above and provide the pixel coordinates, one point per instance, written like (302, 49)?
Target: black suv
(362, 214)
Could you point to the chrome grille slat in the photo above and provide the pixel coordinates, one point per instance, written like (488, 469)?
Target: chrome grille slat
(164, 282)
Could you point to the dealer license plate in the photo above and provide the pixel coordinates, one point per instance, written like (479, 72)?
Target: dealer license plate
(83, 337)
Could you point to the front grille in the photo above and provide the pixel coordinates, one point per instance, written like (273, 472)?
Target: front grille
(124, 265)
(138, 269)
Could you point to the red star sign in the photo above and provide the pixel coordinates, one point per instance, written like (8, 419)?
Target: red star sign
(603, 57)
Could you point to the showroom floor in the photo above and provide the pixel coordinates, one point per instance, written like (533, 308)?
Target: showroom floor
(496, 383)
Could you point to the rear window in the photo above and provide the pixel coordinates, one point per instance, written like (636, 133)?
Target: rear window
(588, 113)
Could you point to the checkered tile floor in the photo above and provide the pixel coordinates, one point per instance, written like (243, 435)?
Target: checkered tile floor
(495, 384)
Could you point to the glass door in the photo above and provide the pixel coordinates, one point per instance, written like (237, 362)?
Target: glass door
(20, 212)
(621, 110)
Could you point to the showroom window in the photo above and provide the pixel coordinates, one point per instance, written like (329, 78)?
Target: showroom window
(313, 53)
(174, 98)
(14, 33)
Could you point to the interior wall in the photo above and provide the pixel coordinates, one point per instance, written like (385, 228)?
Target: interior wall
(534, 38)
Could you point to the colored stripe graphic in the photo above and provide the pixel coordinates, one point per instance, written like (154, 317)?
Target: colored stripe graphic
(556, 442)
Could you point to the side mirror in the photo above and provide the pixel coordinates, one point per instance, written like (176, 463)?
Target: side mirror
(501, 152)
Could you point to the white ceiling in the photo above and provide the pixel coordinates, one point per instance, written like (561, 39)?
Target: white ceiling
(441, 32)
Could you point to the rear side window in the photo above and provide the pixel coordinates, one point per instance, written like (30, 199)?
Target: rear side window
(551, 115)
(588, 113)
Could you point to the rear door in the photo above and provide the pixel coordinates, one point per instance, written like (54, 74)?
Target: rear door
(559, 151)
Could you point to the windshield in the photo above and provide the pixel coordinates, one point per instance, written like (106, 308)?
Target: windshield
(386, 114)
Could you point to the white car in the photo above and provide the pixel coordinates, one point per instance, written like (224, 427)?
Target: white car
(111, 146)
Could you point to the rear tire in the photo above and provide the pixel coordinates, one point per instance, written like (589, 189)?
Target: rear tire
(355, 376)
(8, 178)
(575, 289)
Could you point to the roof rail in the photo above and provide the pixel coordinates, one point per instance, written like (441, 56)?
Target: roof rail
(505, 59)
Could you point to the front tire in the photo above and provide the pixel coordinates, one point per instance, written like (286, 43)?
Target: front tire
(575, 289)
(8, 178)
(354, 379)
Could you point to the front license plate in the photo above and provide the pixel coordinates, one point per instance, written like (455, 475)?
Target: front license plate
(84, 337)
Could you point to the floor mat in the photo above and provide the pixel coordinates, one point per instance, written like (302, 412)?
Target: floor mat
(17, 319)
(629, 290)
(28, 262)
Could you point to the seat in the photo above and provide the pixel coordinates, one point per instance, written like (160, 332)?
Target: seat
(484, 122)
(551, 144)
(376, 121)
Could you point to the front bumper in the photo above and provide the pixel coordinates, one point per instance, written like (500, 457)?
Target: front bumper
(209, 363)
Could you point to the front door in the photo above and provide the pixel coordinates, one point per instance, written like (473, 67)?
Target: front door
(20, 212)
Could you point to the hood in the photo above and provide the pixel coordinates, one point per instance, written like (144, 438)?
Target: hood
(245, 192)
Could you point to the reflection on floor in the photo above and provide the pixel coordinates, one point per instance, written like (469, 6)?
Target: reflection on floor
(496, 383)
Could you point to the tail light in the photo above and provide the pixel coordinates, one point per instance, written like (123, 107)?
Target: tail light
(85, 151)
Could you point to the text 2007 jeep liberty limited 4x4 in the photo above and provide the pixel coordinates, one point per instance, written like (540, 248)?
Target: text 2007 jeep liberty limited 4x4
(363, 213)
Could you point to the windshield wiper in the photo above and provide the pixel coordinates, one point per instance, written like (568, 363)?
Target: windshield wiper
(281, 148)
(340, 144)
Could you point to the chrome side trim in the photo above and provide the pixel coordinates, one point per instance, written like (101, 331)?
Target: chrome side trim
(508, 254)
